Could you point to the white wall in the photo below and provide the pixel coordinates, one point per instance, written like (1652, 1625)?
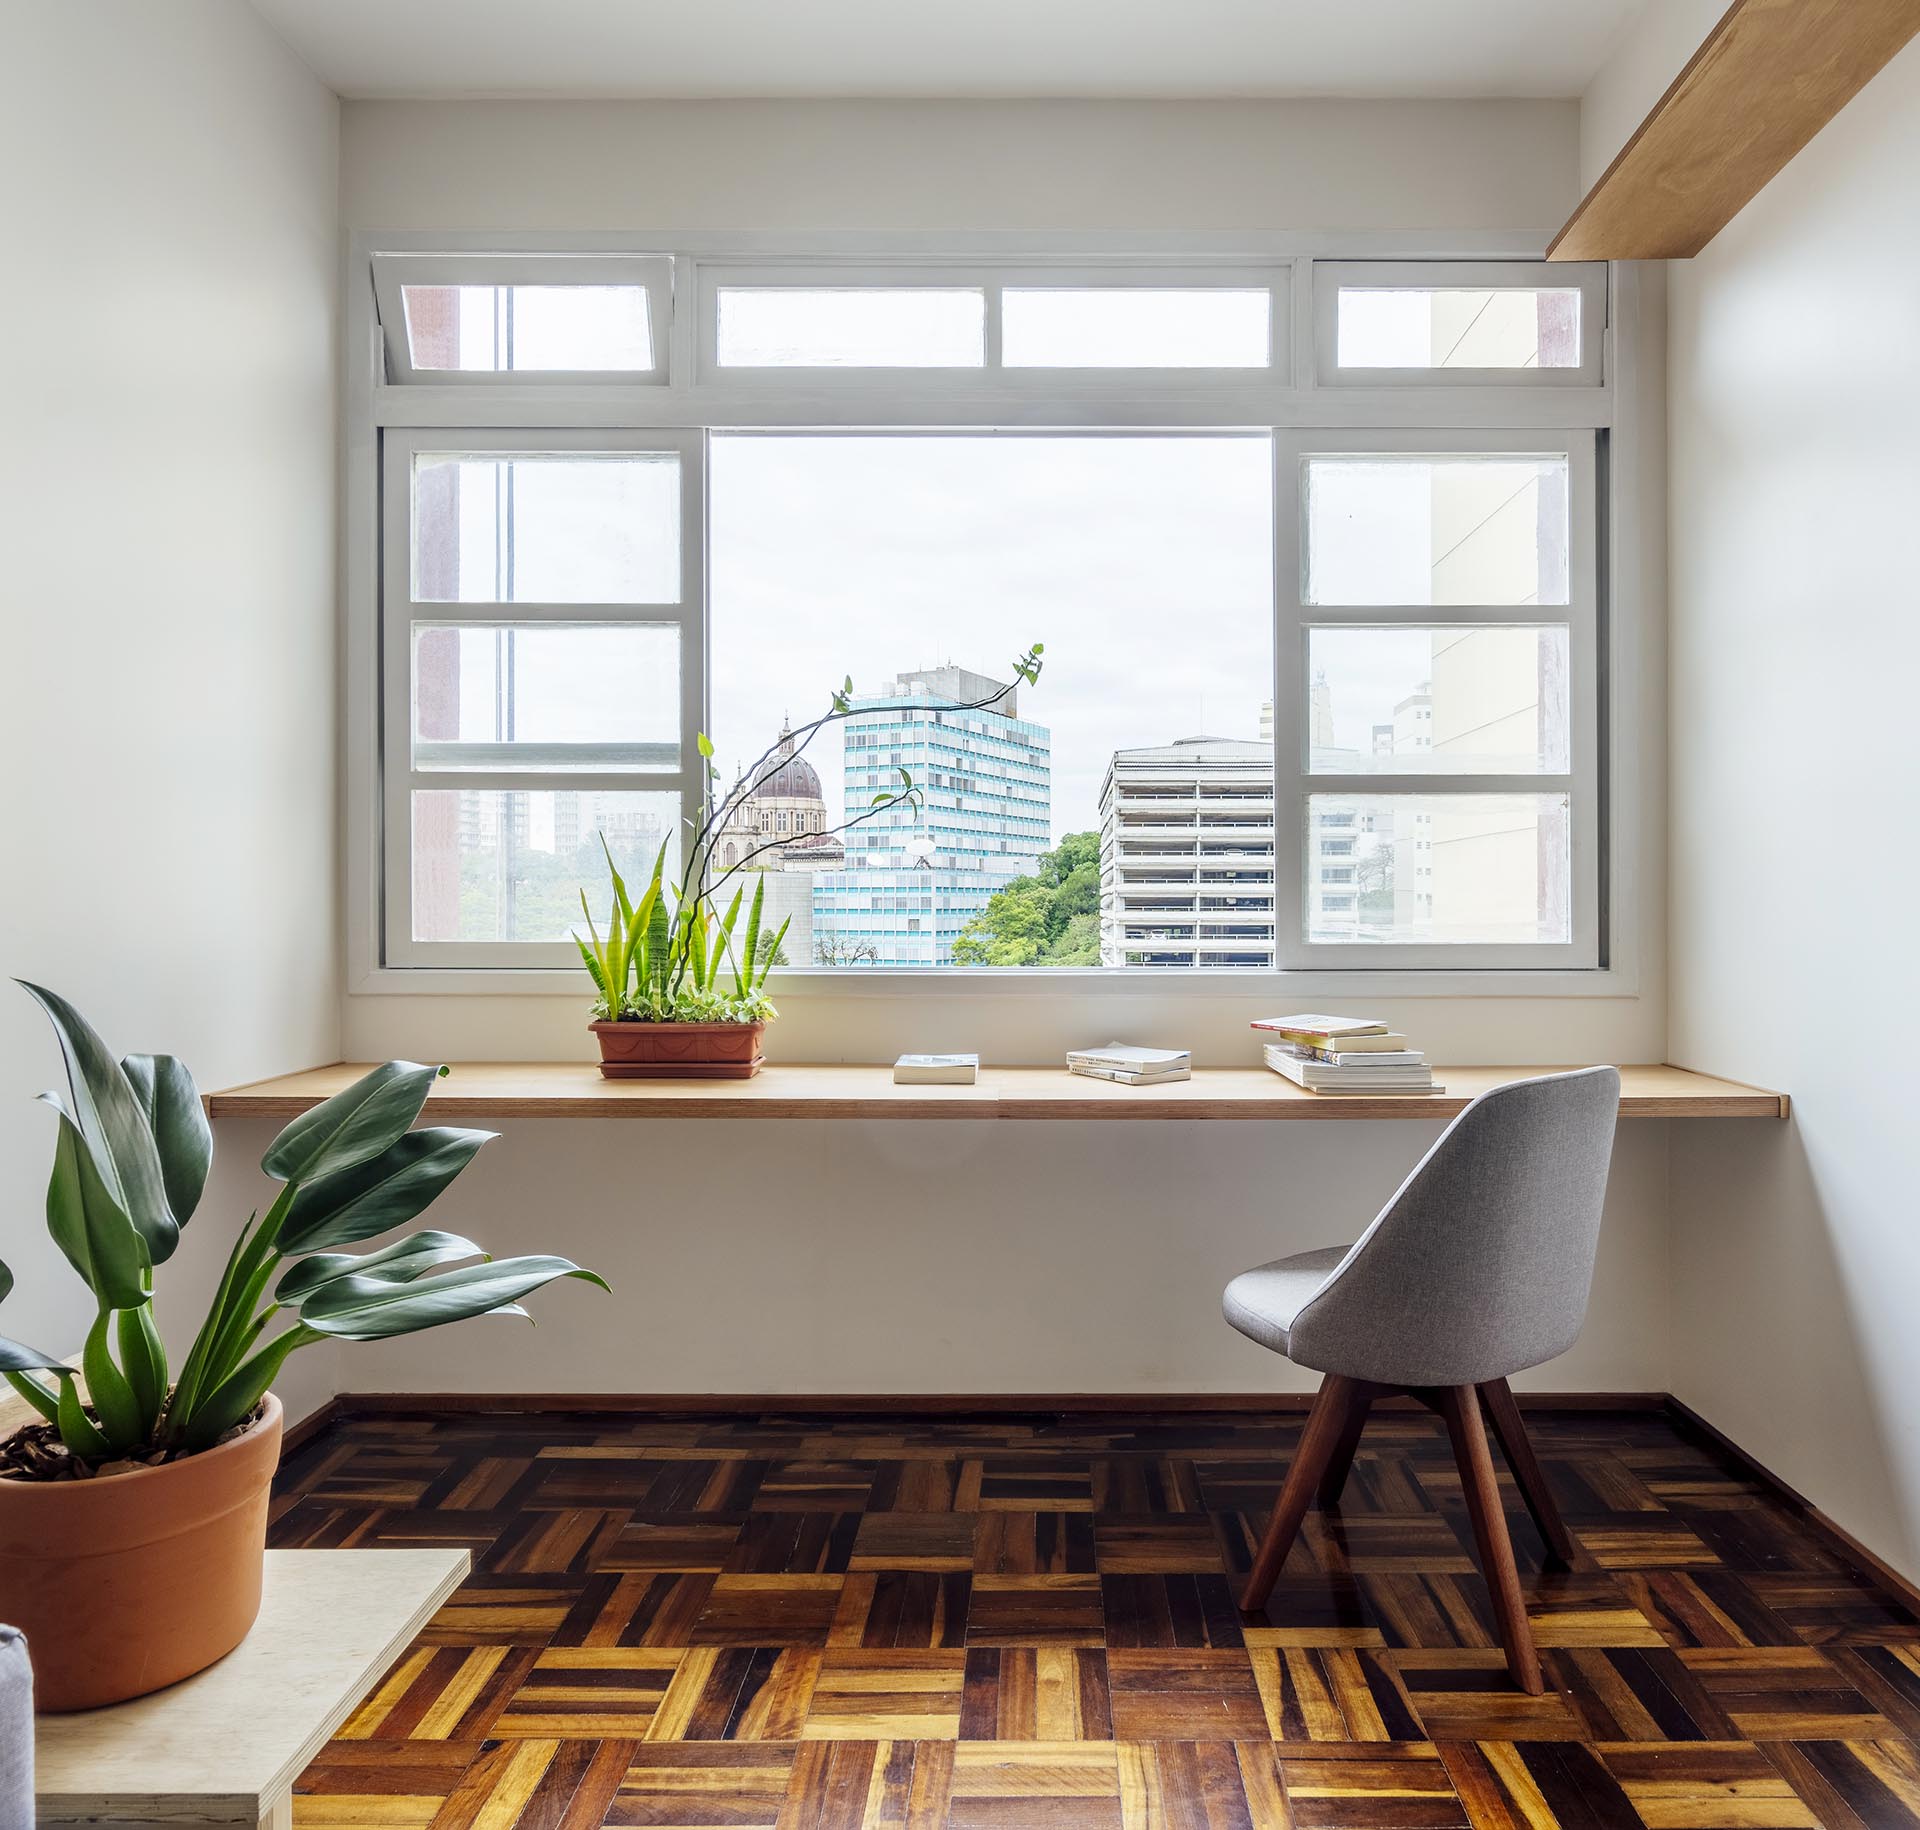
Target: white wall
(1795, 389)
(959, 165)
(168, 180)
(1653, 50)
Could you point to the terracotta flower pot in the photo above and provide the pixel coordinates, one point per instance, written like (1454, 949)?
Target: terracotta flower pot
(679, 1051)
(128, 1582)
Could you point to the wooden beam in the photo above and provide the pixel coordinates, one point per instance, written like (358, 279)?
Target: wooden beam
(1770, 75)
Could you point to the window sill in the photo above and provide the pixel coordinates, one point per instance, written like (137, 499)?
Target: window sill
(1063, 983)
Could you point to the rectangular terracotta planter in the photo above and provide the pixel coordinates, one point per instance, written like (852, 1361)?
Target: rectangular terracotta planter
(679, 1051)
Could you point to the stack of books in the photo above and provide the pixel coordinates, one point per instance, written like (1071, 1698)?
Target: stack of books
(1346, 1055)
(1134, 1067)
(936, 1070)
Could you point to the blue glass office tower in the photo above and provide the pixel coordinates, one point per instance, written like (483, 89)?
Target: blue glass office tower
(914, 879)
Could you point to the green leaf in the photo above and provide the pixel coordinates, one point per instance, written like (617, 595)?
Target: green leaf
(773, 952)
(370, 1309)
(703, 743)
(76, 1427)
(399, 1262)
(18, 1357)
(108, 1391)
(743, 979)
(619, 883)
(230, 1401)
(44, 1398)
(594, 969)
(111, 1119)
(144, 1356)
(402, 1181)
(90, 1226)
(351, 1126)
(178, 1120)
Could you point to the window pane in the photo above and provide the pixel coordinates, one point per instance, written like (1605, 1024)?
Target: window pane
(1447, 328)
(922, 566)
(583, 528)
(1438, 701)
(553, 696)
(1134, 327)
(1436, 530)
(493, 329)
(1439, 869)
(492, 864)
(876, 327)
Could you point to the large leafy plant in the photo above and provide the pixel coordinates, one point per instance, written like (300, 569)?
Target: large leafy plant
(672, 957)
(130, 1163)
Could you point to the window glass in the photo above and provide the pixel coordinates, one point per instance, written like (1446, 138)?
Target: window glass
(1405, 327)
(547, 696)
(1452, 869)
(851, 327)
(921, 566)
(1406, 529)
(1134, 327)
(583, 528)
(496, 329)
(1458, 700)
(493, 864)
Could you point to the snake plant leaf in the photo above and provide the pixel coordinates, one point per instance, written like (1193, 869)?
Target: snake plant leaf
(353, 1125)
(108, 1391)
(743, 980)
(381, 1192)
(370, 1309)
(89, 1225)
(114, 1124)
(178, 1120)
(400, 1262)
(773, 953)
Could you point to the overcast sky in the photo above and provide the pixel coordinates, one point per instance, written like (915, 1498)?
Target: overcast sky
(1143, 564)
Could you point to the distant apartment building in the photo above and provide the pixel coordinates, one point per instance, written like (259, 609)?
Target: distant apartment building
(913, 878)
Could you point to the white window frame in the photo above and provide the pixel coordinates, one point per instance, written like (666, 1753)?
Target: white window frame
(531, 407)
(1588, 278)
(393, 273)
(1294, 778)
(402, 779)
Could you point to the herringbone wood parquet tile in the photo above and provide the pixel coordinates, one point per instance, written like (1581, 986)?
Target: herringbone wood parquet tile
(903, 1623)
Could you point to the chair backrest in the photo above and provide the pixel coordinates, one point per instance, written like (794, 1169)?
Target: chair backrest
(1480, 1265)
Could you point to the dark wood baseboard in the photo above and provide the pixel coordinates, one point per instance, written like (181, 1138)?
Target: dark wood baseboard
(1869, 1563)
(297, 1435)
(932, 1404)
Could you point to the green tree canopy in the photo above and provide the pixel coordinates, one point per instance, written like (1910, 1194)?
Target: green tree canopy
(1049, 919)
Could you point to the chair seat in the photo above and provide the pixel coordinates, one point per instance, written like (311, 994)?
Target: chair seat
(1262, 1303)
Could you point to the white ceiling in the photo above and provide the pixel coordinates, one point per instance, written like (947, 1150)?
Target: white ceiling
(1075, 48)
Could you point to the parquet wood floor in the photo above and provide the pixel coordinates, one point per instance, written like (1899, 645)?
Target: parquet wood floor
(899, 1622)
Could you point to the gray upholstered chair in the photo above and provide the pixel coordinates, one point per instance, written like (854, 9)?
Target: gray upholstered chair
(1476, 1269)
(16, 1730)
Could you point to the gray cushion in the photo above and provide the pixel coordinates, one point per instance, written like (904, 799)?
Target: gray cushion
(16, 1730)
(1262, 1302)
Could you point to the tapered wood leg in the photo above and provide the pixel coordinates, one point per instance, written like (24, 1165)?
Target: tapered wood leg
(1317, 1443)
(1460, 1405)
(1511, 1430)
(1359, 1402)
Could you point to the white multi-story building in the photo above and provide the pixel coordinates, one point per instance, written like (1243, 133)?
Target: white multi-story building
(1186, 855)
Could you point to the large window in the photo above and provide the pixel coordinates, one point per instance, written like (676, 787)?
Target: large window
(1319, 593)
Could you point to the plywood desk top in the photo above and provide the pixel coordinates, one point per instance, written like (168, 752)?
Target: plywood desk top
(485, 1091)
(225, 1747)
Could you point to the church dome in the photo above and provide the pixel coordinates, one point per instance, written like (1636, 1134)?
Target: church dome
(793, 780)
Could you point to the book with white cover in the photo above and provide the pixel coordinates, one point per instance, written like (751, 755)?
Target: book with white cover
(936, 1070)
(1317, 1077)
(1131, 1060)
(1127, 1078)
(1318, 1023)
(1326, 1057)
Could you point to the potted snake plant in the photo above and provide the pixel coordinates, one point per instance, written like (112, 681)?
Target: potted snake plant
(681, 987)
(133, 1509)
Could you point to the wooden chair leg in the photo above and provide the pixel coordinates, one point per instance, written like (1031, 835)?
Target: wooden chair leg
(1340, 1463)
(1460, 1405)
(1317, 1442)
(1515, 1446)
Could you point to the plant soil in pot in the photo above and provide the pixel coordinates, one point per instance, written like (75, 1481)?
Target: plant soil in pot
(679, 1051)
(126, 1582)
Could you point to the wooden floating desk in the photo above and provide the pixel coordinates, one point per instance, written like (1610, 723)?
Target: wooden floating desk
(485, 1091)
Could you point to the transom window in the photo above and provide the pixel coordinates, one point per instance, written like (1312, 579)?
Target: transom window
(1319, 593)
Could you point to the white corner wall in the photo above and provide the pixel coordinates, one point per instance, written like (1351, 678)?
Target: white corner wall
(1794, 392)
(167, 708)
